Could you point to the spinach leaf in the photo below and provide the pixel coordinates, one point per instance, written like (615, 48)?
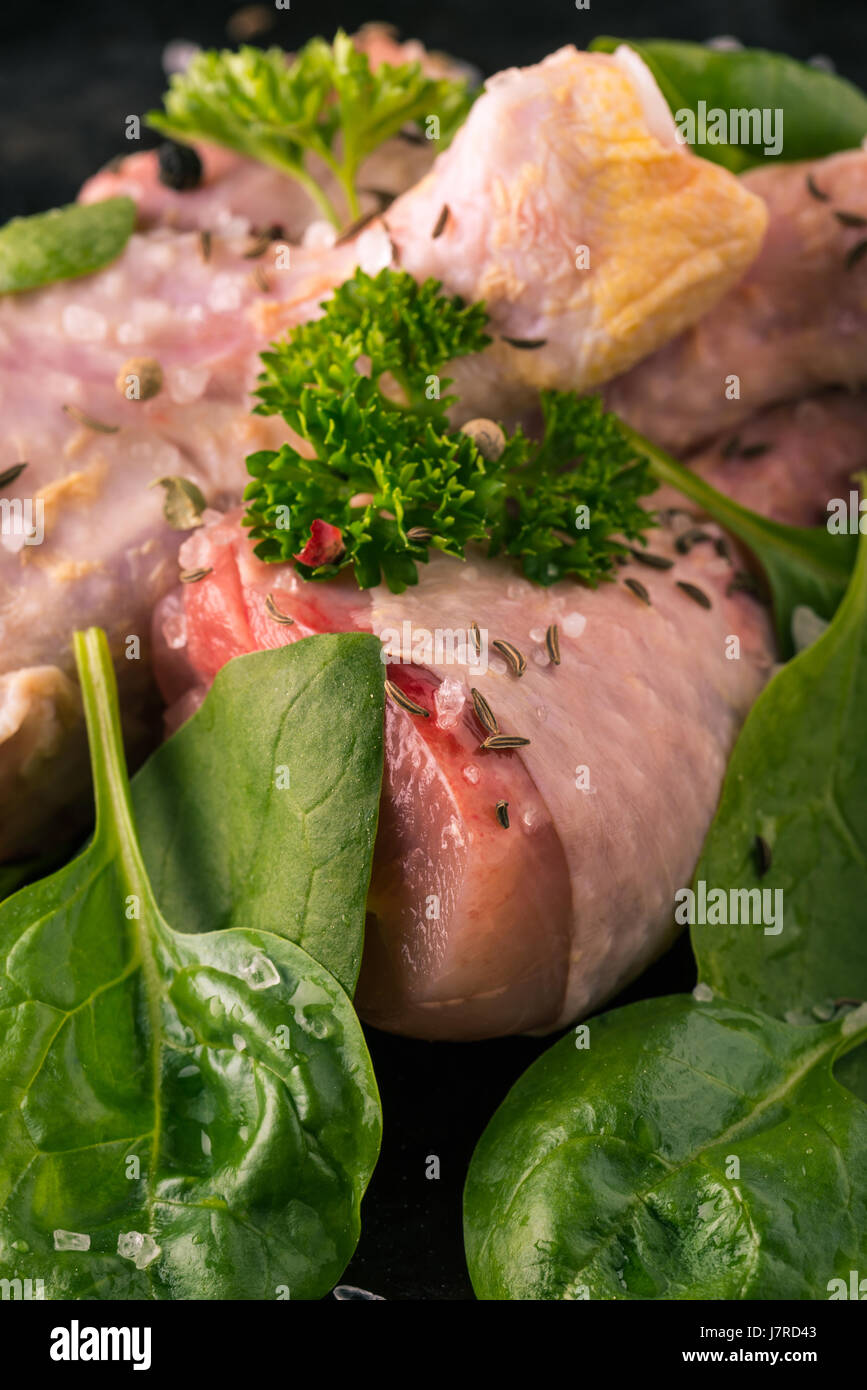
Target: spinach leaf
(181, 1116)
(64, 243)
(693, 1151)
(261, 808)
(822, 113)
(798, 779)
(804, 565)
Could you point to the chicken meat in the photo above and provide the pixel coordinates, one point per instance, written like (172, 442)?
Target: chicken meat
(597, 134)
(796, 322)
(607, 805)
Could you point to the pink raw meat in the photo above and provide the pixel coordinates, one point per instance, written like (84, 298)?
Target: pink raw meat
(796, 323)
(476, 930)
(108, 555)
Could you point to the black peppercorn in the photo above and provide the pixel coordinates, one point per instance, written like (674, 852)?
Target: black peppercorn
(180, 166)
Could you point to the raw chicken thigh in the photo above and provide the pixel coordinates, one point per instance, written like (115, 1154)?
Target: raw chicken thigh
(797, 321)
(608, 803)
(566, 204)
(597, 128)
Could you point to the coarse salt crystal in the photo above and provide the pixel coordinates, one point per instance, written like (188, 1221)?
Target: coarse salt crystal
(82, 324)
(224, 294)
(71, 1240)
(129, 333)
(449, 700)
(472, 773)
(139, 1247)
(374, 249)
(160, 255)
(574, 624)
(187, 384)
(230, 224)
(319, 235)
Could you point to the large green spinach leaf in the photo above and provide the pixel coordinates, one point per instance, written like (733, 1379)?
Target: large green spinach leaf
(693, 1151)
(181, 1116)
(798, 780)
(822, 113)
(259, 810)
(805, 566)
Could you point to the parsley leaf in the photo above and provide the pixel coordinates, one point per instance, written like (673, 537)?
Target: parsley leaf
(394, 450)
(403, 330)
(327, 103)
(362, 388)
(564, 499)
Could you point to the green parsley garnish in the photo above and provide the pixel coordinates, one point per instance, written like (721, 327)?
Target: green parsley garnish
(327, 103)
(362, 387)
(566, 497)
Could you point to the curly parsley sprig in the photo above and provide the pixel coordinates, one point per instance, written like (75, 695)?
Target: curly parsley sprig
(327, 103)
(362, 388)
(566, 498)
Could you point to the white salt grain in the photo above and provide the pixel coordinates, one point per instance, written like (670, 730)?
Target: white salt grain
(574, 624)
(82, 324)
(187, 384)
(224, 294)
(319, 236)
(449, 699)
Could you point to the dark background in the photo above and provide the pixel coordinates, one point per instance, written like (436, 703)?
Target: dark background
(69, 75)
(70, 72)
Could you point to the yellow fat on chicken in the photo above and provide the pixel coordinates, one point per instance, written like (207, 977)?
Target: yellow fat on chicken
(590, 232)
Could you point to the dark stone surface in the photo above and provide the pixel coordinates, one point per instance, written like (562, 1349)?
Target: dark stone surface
(69, 75)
